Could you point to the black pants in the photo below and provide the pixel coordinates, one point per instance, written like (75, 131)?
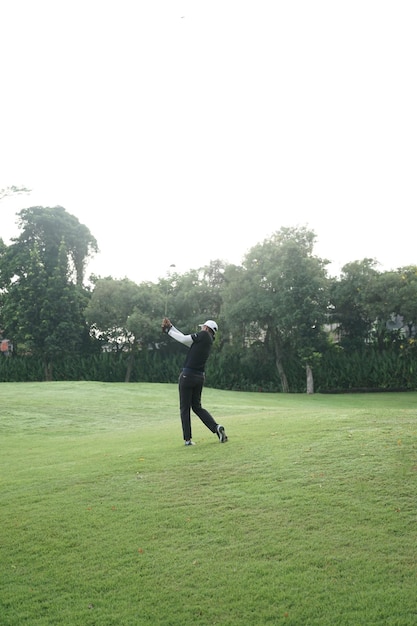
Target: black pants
(190, 389)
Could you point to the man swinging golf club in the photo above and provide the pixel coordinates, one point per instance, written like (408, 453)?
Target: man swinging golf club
(192, 376)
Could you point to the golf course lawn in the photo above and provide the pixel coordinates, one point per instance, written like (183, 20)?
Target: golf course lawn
(306, 516)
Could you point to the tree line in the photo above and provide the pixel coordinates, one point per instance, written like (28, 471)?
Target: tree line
(284, 323)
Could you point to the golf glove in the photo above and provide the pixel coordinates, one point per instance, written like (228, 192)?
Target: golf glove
(166, 325)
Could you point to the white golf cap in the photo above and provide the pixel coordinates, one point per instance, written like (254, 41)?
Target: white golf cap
(211, 324)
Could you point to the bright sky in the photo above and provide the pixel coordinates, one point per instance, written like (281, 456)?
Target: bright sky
(183, 131)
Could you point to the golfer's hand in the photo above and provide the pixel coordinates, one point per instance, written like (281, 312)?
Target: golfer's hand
(166, 325)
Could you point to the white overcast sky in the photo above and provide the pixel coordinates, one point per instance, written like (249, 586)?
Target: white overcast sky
(185, 131)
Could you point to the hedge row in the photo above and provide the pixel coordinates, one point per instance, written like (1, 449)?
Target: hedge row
(251, 371)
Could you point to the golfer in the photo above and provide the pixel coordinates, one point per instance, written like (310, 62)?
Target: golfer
(192, 376)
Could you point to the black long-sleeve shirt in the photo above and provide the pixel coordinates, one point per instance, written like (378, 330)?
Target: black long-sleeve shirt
(199, 347)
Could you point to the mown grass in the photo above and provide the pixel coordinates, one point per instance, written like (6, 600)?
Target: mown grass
(306, 516)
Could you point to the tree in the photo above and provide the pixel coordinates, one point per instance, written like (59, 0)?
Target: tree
(195, 295)
(280, 297)
(351, 303)
(365, 301)
(112, 302)
(41, 278)
(406, 298)
(44, 314)
(11, 191)
(123, 315)
(22, 304)
(49, 228)
(63, 328)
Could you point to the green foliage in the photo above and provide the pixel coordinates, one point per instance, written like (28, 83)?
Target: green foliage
(23, 301)
(248, 369)
(43, 299)
(232, 368)
(405, 296)
(272, 313)
(61, 316)
(21, 369)
(341, 370)
(283, 294)
(45, 313)
(109, 308)
(122, 315)
(195, 296)
(49, 229)
(365, 300)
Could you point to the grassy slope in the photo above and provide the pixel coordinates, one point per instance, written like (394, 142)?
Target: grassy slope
(306, 516)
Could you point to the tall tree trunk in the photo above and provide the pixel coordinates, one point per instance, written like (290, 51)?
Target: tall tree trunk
(130, 360)
(310, 380)
(48, 371)
(280, 367)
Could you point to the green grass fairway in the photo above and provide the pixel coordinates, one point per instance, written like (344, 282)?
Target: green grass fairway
(307, 516)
